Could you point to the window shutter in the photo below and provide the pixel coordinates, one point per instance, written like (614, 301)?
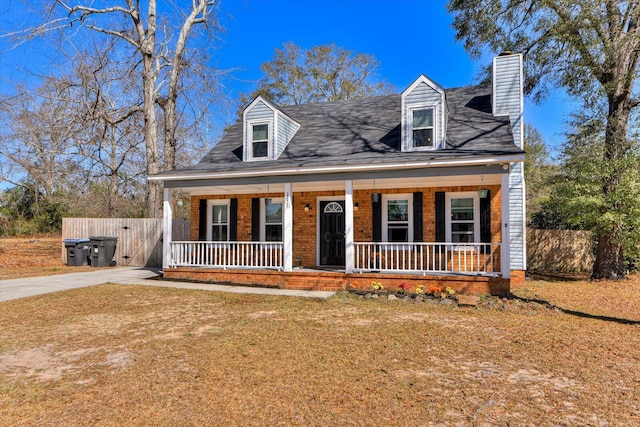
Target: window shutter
(233, 220)
(485, 218)
(417, 217)
(255, 219)
(202, 221)
(376, 210)
(440, 217)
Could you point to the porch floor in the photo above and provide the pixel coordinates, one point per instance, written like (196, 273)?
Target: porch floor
(335, 279)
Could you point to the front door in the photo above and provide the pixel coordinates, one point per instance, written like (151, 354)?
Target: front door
(332, 233)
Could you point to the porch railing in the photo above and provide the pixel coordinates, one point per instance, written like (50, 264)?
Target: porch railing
(227, 254)
(479, 258)
(472, 258)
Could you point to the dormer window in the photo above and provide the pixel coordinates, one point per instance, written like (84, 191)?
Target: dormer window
(424, 116)
(266, 131)
(422, 127)
(260, 141)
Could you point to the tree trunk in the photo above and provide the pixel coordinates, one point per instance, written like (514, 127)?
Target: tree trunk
(153, 196)
(113, 177)
(147, 50)
(609, 263)
(169, 105)
(170, 125)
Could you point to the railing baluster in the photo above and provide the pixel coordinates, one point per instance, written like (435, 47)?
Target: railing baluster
(416, 257)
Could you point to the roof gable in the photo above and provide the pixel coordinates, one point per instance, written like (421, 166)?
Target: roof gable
(422, 80)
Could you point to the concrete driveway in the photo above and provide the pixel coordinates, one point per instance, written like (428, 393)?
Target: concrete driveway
(20, 288)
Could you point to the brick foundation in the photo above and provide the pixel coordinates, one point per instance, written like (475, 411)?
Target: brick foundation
(336, 281)
(517, 278)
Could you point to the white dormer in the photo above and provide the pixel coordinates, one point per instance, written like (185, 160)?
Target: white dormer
(266, 131)
(423, 116)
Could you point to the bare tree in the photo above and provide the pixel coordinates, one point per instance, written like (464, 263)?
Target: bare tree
(137, 25)
(109, 108)
(37, 138)
(323, 73)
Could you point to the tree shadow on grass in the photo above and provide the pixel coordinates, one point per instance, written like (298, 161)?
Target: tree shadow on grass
(548, 305)
(557, 277)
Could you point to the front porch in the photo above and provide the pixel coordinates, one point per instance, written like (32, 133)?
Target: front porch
(343, 234)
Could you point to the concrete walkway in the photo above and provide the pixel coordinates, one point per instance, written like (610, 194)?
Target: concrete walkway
(20, 288)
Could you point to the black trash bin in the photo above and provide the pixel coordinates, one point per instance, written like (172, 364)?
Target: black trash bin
(103, 249)
(77, 251)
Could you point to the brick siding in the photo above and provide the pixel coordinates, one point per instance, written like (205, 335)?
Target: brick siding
(305, 244)
(305, 224)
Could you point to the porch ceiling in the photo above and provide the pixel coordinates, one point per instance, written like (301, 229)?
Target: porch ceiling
(339, 185)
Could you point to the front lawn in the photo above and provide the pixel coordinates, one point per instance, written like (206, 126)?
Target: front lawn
(133, 355)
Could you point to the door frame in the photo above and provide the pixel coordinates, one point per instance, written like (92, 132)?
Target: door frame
(318, 200)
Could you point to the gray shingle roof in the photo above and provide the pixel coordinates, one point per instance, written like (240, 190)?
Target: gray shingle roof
(367, 131)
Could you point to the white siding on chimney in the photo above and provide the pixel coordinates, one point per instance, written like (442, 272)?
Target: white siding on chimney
(507, 100)
(517, 215)
(507, 85)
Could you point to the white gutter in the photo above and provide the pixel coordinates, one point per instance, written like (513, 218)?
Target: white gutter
(340, 169)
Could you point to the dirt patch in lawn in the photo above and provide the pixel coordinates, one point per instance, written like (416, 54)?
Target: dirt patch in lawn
(133, 355)
(33, 256)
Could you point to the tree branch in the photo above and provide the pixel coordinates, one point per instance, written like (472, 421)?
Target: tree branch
(91, 10)
(119, 34)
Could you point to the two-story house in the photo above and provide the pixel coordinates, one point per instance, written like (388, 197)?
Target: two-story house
(424, 187)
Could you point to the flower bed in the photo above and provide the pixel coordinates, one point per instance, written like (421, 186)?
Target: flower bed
(403, 291)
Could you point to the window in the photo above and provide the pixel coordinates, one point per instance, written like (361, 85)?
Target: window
(397, 221)
(272, 220)
(463, 217)
(422, 127)
(218, 213)
(260, 140)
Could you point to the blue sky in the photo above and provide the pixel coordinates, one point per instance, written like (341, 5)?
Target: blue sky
(407, 37)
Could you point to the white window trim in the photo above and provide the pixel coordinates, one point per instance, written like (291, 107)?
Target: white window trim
(409, 126)
(476, 214)
(210, 204)
(385, 215)
(263, 216)
(270, 138)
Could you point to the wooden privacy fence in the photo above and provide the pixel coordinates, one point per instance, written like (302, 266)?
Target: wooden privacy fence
(565, 251)
(139, 239)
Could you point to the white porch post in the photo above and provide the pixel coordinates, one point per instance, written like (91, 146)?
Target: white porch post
(287, 234)
(505, 247)
(349, 252)
(167, 221)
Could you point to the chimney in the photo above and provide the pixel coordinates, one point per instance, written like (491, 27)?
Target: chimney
(507, 97)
